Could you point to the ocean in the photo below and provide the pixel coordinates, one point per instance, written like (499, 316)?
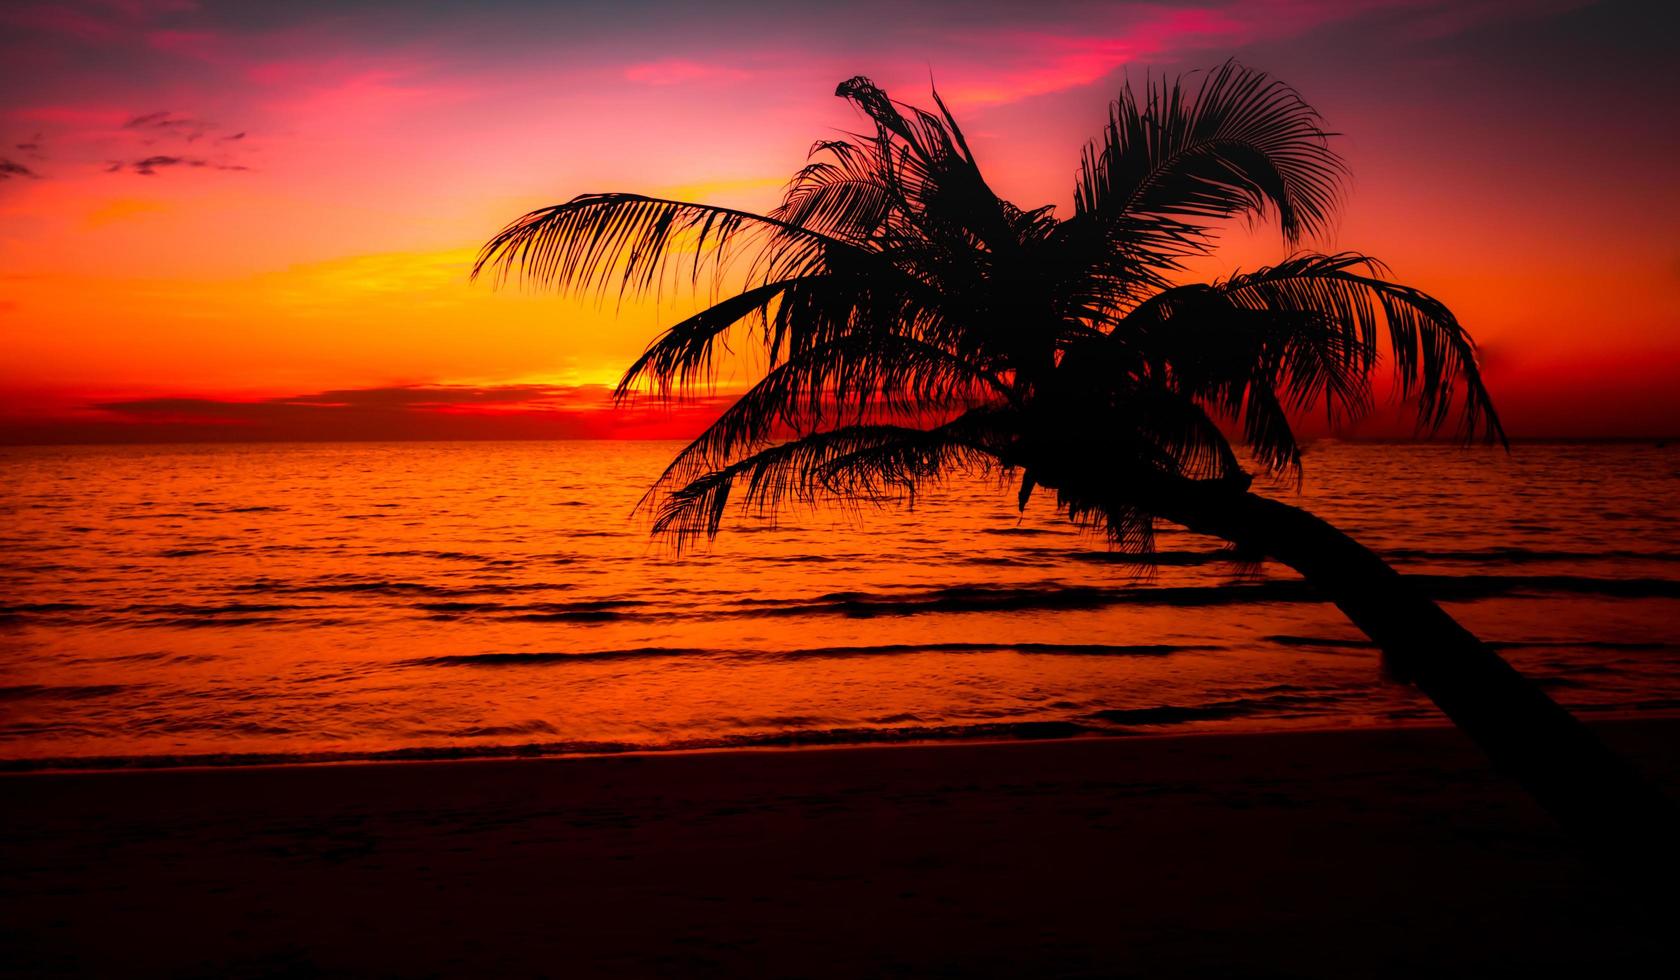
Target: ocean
(192, 605)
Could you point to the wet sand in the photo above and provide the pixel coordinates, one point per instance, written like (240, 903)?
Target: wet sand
(1324, 854)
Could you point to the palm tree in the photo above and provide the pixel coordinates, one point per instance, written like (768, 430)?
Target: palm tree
(913, 323)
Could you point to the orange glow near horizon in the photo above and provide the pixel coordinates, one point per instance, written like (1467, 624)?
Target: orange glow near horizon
(204, 203)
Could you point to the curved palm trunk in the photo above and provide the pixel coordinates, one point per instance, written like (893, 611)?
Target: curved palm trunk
(1606, 806)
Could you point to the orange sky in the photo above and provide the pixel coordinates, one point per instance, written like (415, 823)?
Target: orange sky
(212, 214)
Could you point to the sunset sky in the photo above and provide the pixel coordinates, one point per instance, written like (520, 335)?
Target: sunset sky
(239, 220)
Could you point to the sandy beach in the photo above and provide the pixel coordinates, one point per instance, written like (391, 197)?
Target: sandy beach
(1389, 852)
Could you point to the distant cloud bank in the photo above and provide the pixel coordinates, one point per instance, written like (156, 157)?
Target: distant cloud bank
(389, 413)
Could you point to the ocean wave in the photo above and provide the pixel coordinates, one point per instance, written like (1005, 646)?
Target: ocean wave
(17, 615)
(1629, 645)
(151, 656)
(439, 555)
(984, 731)
(1051, 596)
(60, 692)
(223, 609)
(475, 600)
(233, 614)
(1054, 596)
(374, 586)
(480, 600)
(1486, 586)
(19, 608)
(1647, 704)
(1357, 643)
(1331, 642)
(1167, 714)
(1048, 596)
(1525, 556)
(221, 622)
(581, 609)
(535, 726)
(1172, 559)
(828, 652)
(551, 657)
(387, 587)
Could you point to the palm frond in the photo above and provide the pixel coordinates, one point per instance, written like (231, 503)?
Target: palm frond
(1248, 366)
(592, 240)
(1155, 416)
(684, 354)
(852, 463)
(1171, 160)
(843, 195)
(1266, 428)
(1349, 296)
(1184, 439)
(1128, 528)
(848, 380)
(925, 161)
(791, 315)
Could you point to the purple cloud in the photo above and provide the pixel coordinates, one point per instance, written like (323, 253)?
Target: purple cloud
(149, 166)
(400, 412)
(167, 123)
(10, 168)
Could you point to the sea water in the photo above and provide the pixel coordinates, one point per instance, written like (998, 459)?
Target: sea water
(249, 603)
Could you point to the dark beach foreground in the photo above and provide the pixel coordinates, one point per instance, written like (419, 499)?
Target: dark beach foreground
(1391, 852)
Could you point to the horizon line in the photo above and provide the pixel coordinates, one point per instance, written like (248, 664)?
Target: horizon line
(1658, 441)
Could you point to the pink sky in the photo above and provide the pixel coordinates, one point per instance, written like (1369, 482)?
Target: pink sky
(243, 203)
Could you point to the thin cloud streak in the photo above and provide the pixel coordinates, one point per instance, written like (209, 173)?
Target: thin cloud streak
(149, 166)
(10, 169)
(164, 123)
(386, 413)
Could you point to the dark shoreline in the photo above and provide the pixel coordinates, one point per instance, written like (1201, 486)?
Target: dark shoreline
(1002, 733)
(1376, 852)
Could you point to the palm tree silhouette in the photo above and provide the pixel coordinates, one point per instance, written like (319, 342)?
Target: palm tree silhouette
(914, 323)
